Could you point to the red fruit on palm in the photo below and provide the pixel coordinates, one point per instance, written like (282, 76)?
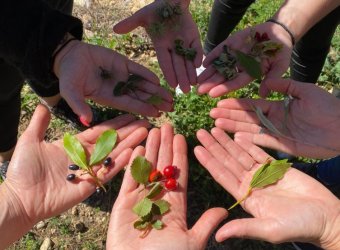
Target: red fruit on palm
(169, 171)
(171, 184)
(155, 176)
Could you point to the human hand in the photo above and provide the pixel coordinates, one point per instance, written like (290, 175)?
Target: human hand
(162, 148)
(79, 67)
(36, 185)
(176, 69)
(213, 83)
(312, 122)
(296, 208)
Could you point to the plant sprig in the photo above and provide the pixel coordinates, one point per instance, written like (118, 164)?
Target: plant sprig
(187, 53)
(75, 151)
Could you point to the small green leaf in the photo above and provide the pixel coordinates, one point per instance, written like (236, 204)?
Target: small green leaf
(75, 150)
(155, 100)
(270, 173)
(155, 190)
(158, 224)
(120, 89)
(251, 66)
(143, 207)
(140, 170)
(141, 225)
(163, 206)
(104, 145)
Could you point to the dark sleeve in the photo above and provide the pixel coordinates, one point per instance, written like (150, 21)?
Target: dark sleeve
(30, 31)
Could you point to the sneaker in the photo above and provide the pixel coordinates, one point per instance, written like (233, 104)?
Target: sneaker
(3, 170)
(64, 112)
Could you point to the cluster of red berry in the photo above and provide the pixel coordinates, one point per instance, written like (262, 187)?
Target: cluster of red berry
(168, 177)
(261, 38)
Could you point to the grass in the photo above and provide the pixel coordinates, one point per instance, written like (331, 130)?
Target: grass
(191, 113)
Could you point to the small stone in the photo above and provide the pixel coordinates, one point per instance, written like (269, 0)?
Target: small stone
(53, 230)
(47, 244)
(74, 211)
(80, 227)
(40, 225)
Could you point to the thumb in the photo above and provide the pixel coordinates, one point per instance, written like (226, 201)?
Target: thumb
(251, 228)
(284, 86)
(275, 72)
(39, 123)
(206, 224)
(130, 23)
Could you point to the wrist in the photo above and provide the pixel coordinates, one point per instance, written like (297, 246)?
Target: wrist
(14, 221)
(331, 237)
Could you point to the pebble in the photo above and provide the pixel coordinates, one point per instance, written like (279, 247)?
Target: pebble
(47, 244)
(40, 225)
(74, 211)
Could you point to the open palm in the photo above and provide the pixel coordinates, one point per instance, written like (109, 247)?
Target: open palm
(162, 149)
(175, 68)
(296, 208)
(37, 173)
(313, 119)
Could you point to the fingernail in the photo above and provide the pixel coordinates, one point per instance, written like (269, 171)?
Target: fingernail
(84, 121)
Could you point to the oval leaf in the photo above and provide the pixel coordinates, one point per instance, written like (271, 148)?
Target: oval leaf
(143, 207)
(155, 190)
(75, 150)
(104, 145)
(163, 206)
(140, 170)
(249, 63)
(270, 173)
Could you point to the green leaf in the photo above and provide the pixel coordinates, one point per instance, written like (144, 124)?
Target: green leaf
(163, 206)
(155, 100)
(143, 207)
(104, 145)
(75, 150)
(251, 66)
(158, 224)
(140, 170)
(140, 224)
(270, 173)
(155, 190)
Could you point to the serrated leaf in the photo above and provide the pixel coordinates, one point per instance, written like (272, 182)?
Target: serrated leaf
(158, 224)
(249, 63)
(163, 206)
(140, 224)
(75, 150)
(143, 207)
(140, 170)
(270, 173)
(154, 100)
(104, 145)
(155, 190)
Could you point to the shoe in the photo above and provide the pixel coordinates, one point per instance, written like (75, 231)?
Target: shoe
(64, 112)
(3, 170)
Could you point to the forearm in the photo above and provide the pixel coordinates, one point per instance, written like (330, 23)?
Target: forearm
(13, 223)
(300, 15)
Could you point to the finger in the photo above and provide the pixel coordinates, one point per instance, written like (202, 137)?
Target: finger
(248, 104)
(232, 126)
(152, 146)
(165, 63)
(191, 72)
(285, 86)
(130, 128)
(156, 90)
(130, 23)
(165, 154)
(181, 72)
(140, 70)
(241, 80)
(38, 124)
(145, 97)
(251, 228)
(217, 170)
(206, 74)
(263, 140)
(196, 44)
(129, 184)
(233, 148)
(206, 225)
(235, 115)
(215, 53)
(131, 141)
(211, 83)
(245, 142)
(219, 153)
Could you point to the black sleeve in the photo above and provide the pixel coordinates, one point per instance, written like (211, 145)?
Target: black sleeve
(29, 33)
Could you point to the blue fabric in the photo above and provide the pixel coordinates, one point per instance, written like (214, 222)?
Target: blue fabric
(328, 171)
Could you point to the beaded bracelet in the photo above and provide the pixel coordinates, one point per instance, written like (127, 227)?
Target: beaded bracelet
(285, 28)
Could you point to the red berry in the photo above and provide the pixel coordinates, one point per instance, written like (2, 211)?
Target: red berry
(264, 37)
(169, 171)
(155, 176)
(258, 37)
(171, 184)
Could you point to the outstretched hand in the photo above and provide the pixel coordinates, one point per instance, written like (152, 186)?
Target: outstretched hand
(213, 83)
(176, 69)
(162, 148)
(92, 72)
(296, 208)
(311, 125)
